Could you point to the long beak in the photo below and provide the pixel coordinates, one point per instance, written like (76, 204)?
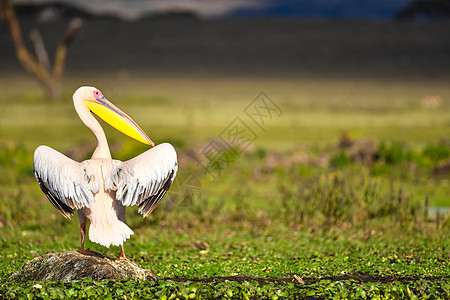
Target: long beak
(112, 115)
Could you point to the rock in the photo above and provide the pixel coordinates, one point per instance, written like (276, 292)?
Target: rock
(345, 141)
(359, 150)
(363, 151)
(71, 265)
(442, 168)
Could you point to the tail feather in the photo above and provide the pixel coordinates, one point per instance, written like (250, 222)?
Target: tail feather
(115, 233)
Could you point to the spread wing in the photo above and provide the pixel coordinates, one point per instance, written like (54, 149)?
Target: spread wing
(145, 179)
(66, 183)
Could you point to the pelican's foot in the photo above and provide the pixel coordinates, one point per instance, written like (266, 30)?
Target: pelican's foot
(122, 258)
(88, 252)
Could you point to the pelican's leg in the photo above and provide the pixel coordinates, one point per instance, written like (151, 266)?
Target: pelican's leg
(83, 234)
(122, 253)
(82, 218)
(120, 209)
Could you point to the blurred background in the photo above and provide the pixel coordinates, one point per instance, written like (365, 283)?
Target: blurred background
(341, 39)
(360, 91)
(313, 137)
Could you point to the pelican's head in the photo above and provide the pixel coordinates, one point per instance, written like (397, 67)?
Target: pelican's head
(94, 100)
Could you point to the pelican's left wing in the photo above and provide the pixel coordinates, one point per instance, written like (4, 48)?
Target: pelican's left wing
(145, 179)
(66, 183)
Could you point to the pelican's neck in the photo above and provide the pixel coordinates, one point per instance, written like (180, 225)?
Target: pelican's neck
(102, 149)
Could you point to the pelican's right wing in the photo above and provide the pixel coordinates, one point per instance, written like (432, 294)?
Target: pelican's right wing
(145, 179)
(65, 182)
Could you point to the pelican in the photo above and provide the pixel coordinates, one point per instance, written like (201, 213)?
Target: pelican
(100, 188)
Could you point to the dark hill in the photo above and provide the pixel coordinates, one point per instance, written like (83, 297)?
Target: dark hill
(50, 11)
(187, 46)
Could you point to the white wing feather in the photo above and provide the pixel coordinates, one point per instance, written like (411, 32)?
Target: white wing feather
(145, 179)
(66, 183)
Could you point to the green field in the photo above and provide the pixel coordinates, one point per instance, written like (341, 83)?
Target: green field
(294, 200)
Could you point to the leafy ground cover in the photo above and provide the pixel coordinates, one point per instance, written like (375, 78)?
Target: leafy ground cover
(333, 199)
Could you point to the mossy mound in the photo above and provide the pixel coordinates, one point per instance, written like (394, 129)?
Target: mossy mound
(71, 265)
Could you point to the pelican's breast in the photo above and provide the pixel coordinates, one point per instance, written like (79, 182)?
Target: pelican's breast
(106, 215)
(97, 170)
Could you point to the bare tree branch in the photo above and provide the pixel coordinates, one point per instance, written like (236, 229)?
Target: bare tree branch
(28, 61)
(39, 48)
(73, 29)
(39, 66)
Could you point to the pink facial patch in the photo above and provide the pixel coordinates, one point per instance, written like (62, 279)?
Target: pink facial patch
(98, 95)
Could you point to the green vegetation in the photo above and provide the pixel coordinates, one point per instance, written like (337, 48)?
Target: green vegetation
(346, 190)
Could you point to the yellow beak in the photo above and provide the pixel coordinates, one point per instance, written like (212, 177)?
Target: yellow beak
(112, 115)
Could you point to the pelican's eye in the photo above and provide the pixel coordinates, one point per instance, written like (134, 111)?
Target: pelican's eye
(98, 95)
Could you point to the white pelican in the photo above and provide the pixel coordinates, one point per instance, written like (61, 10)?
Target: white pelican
(100, 188)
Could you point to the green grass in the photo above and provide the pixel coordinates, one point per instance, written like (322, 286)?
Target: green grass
(293, 203)
(315, 111)
(329, 263)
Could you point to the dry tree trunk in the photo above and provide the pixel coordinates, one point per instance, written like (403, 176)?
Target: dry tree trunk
(39, 66)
